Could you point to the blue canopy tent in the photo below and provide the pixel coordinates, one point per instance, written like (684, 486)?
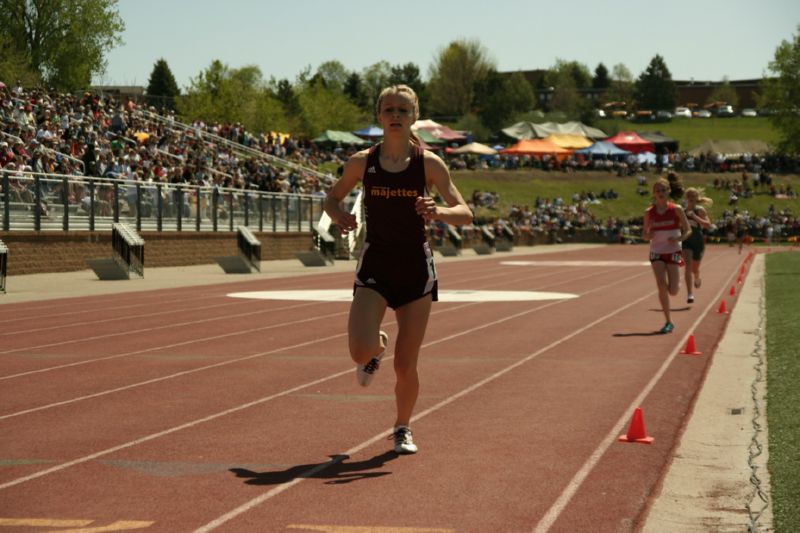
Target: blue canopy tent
(370, 132)
(603, 149)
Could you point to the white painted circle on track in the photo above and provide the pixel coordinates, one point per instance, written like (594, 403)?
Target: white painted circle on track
(345, 295)
(577, 263)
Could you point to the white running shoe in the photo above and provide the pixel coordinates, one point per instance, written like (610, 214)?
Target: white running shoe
(697, 282)
(403, 441)
(365, 373)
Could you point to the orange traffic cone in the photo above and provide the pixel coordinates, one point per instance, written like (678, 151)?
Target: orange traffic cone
(690, 347)
(722, 308)
(636, 431)
(733, 290)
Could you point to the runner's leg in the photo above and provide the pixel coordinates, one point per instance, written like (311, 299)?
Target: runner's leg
(366, 314)
(412, 321)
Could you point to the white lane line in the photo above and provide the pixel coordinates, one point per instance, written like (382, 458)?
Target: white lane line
(207, 367)
(236, 409)
(462, 295)
(577, 480)
(165, 346)
(578, 263)
(217, 337)
(247, 506)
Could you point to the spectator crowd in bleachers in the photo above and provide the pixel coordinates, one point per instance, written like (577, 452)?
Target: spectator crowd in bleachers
(92, 135)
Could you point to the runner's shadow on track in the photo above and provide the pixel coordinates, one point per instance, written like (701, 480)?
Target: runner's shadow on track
(337, 470)
(642, 334)
(674, 310)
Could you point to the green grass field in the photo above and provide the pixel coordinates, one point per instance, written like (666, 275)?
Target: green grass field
(692, 132)
(783, 392)
(521, 187)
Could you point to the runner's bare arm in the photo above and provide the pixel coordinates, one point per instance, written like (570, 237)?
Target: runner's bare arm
(352, 174)
(436, 174)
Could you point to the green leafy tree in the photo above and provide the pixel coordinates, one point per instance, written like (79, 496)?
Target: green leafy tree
(724, 93)
(14, 65)
(782, 93)
(323, 109)
(454, 74)
(64, 41)
(498, 98)
(333, 74)
(600, 79)
(375, 78)
(223, 94)
(655, 89)
(621, 88)
(566, 78)
(162, 89)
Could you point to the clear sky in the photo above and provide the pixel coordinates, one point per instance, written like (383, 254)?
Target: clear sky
(699, 39)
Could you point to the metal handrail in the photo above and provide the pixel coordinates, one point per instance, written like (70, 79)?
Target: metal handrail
(238, 206)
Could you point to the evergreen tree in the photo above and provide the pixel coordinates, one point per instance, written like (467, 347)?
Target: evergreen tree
(354, 90)
(655, 89)
(600, 80)
(409, 74)
(162, 88)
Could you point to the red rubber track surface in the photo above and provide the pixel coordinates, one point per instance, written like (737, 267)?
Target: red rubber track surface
(185, 409)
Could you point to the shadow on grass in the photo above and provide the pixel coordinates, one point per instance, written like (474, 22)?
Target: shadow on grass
(337, 470)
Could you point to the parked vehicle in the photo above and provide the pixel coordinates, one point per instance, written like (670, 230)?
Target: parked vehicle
(684, 112)
(747, 112)
(703, 113)
(725, 111)
(663, 116)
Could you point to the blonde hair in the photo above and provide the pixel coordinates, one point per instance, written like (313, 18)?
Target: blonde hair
(703, 200)
(398, 89)
(664, 182)
(406, 91)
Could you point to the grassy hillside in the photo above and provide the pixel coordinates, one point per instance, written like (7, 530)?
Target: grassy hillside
(521, 187)
(692, 132)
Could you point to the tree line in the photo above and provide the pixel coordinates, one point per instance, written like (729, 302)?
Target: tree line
(61, 44)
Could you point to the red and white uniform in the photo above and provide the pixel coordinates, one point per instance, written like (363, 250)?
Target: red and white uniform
(662, 227)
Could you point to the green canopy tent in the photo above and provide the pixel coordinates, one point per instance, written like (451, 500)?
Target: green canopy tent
(333, 137)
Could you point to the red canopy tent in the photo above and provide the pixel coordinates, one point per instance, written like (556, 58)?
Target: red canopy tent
(444, 133)
(628, 140)
(537, 147)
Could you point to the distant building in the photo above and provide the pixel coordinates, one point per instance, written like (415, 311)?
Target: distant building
(698, 92)
(133, 92)
(689, 92)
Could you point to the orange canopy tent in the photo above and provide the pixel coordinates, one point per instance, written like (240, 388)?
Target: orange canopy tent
(537, 147)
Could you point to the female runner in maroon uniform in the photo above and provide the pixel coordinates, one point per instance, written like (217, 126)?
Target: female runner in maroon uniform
(396, 267)
(666, 227)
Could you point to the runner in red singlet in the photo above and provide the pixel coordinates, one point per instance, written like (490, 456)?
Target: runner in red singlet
(666, 227)
(396, 267)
